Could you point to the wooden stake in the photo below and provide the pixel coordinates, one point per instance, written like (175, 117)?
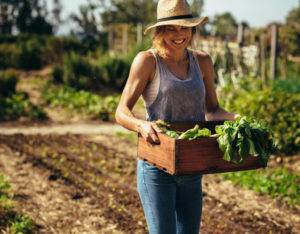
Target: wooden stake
(240, 35)
(110, 38)
(262, 60)
(273, 51)
(125, 38)
(139, 35)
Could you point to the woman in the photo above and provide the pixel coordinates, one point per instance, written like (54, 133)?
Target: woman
(177, 84)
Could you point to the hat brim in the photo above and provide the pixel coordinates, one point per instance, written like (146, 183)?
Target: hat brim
(189, 22)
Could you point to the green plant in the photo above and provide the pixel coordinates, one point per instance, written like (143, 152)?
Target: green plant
(4, 183)
(245, 136)
(95, 106)
(19, 105)
(21, 224)
(8, 82)
(114, 71)
(79, 73)
(18, 223)
(57, 74)
(4, 186)
(277, 183)
(28, 54)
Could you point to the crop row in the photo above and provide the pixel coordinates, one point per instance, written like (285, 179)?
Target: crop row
(9, 219)
(93, 105)
(91, 166)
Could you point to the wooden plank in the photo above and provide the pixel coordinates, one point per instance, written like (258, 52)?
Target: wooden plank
(161, 155)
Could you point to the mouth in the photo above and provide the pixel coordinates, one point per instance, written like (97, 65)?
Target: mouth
(179, 42)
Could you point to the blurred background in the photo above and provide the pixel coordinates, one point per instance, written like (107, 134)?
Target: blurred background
(63, 66)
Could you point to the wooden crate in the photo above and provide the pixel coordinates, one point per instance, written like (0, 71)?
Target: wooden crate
(186, 157)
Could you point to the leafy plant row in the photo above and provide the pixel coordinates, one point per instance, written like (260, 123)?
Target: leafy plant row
(18, 105)
(277, 183)
(95, 106)
(274, 105)
(16, 223)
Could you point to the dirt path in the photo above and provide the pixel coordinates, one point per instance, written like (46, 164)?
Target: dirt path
(73, 128)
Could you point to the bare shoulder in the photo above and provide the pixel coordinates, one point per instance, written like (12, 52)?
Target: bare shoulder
(203, 58)
(145, 58)
(144, 65)
(206, 64)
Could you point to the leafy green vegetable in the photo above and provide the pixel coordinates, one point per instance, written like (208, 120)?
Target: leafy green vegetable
(195, 132)
(190, 134)
(172, 133)
(246, 137)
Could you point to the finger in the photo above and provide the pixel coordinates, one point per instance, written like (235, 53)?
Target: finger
(154, 137)
(156, 128)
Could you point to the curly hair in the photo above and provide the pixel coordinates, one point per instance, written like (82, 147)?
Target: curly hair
(158, 42)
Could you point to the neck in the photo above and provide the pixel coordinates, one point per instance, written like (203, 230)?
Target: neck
(175, 55)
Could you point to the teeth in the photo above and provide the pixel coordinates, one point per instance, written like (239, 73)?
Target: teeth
(179, 41)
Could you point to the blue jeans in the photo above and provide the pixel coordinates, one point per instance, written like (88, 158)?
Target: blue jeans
(172, 204)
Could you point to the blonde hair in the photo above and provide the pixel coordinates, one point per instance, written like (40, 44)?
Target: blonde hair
(158, 43)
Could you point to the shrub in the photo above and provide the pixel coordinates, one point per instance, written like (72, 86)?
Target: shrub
(114, 71)
(8, 82)
(28, 55)
(57, 74)
(79, 73)
(6, 54)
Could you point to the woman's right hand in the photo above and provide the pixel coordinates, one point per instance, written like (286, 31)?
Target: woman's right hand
(149, 130)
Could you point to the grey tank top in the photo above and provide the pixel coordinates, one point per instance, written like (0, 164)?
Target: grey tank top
(178, 100)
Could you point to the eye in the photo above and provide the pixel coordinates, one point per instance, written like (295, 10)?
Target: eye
(184, 28)
(170, 29)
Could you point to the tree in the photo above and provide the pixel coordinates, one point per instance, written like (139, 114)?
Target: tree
(225, 26)
(197, 7)
(129, 11)
(27, 16)
(292, 31)
(87, 21)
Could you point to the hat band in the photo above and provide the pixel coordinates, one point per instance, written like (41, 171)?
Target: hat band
(175, 17)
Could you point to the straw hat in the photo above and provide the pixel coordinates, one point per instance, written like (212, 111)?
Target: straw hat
(175, 12)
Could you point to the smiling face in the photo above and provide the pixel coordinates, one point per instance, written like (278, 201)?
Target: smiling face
(172, 37)
(176, 37)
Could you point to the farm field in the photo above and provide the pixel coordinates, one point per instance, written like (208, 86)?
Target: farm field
(74, 174)
(83, 181)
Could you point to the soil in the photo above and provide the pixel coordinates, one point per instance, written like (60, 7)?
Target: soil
(77, 176)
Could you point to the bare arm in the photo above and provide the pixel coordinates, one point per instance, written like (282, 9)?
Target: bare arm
(141, 72)
(213, 111)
